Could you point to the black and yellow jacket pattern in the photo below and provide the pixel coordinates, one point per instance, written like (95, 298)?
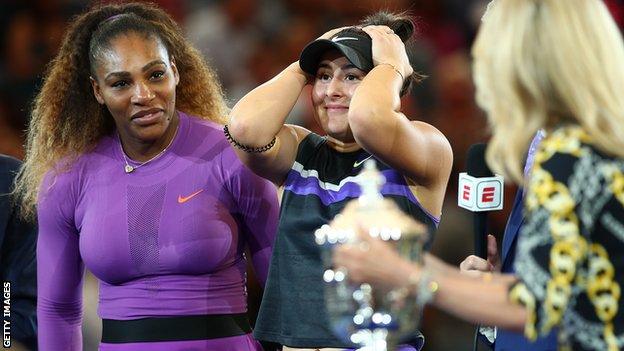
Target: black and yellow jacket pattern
(570, 260)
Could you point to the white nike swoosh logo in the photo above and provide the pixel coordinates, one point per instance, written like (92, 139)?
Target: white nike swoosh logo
(358, 163)
(344, 38)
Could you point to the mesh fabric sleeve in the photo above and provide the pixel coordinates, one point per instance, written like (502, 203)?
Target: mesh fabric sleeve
(60, 269)
(258, 211)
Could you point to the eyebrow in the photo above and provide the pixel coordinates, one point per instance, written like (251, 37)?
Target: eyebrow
(124, 74)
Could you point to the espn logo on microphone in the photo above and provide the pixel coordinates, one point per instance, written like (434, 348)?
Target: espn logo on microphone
(480, 194)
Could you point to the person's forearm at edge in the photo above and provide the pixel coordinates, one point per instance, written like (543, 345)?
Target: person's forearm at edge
(487, 295)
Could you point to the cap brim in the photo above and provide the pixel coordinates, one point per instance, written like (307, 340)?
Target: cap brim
(311, 55)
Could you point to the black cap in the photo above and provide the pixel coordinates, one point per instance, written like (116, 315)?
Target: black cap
(356, 47)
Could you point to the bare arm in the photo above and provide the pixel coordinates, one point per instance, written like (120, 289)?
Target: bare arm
(489, 303)
(482, 300)
(416, 149)
(259, 117)
(486, 291)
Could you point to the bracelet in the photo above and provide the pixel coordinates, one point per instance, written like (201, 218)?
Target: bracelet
(246, 148)
(394, 68)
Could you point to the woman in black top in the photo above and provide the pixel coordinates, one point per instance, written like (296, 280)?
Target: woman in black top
(358, 75)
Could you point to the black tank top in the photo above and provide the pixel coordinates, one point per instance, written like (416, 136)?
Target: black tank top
(318, 186)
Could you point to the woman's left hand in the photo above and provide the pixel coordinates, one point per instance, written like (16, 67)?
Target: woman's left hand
(373, 261)
(388, 48)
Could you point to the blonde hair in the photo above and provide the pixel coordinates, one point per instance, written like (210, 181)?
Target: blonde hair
(67, 121)
(540, 63)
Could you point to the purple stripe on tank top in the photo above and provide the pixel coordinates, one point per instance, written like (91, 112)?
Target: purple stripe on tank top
(328, 193)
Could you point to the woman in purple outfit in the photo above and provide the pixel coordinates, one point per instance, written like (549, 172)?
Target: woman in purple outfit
(135, 181)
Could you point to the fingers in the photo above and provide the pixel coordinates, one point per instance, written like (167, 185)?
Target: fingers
(362, 259)
(389, 48)
(475, 263)
(492, 248)
(346, 254)
(363, 233)
(349, 258)
(380, 31)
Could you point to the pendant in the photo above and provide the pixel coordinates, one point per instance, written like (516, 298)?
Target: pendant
(128, 169)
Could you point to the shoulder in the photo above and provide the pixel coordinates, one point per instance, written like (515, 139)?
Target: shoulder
(563, 153)
(56, 200)
(571, 140)
(424, 126)
(309, 143)
(299, 131)
(208, 132)
(199, 122)
(434, 135)
(58, 179)
(9, 164)
(212, 145)
(436, 150)
(570, 169)
(295, 133)
(62, 182)
(9, 167)
(306, 137)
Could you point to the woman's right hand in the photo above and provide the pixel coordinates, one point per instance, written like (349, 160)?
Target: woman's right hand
(474, 265)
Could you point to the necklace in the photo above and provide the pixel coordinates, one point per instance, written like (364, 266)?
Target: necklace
(128, 168)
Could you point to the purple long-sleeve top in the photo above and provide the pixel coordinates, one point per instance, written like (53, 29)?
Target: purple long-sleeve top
(167, 239)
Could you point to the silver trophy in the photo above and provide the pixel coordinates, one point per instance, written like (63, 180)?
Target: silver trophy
(377, 319)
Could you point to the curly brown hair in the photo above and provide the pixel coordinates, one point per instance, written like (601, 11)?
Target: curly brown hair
(67, 121)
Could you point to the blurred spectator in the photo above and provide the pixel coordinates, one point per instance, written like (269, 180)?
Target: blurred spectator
(18, 238)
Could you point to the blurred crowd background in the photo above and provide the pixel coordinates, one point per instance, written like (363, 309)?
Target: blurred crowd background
(248, 42)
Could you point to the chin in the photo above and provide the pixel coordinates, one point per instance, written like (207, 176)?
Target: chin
(150, 133)
(339, 128)
(341, 134)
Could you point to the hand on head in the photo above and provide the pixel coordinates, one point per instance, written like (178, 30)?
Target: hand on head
(388, 48)
(474, 265)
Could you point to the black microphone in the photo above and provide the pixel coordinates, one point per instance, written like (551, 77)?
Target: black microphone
(480, 191)
(477, 168)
